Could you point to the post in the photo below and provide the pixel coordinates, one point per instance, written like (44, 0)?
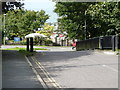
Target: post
(31, 44)
(67, 42)
(27, 44)
(56, 40)
(4, 29)
(113, 43)
(62, 42)
(85, 27)
(118, 42)
(101, 43)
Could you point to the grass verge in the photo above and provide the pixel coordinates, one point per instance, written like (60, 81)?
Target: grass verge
(23, 50)
(26, 53)
(17, 48)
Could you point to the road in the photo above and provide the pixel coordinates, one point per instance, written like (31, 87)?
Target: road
(80, 69)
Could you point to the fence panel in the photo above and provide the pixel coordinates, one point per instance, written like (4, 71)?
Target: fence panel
(107, 42)
(88, 44)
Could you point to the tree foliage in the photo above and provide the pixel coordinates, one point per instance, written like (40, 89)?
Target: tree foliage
(22, 22)
(101, 18)
(72, 18)
(7, 6)
(47, 30)
(105, 17)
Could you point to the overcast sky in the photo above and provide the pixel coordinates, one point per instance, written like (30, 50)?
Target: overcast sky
(46, 5)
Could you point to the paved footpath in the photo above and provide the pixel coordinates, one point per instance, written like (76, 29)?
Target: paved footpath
(80, 69)
(16, 72)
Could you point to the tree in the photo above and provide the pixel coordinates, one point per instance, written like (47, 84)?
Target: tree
(7, 6)
(22, 22)
(105, 18)
(72, 18)
(47, 30)
(87, 20)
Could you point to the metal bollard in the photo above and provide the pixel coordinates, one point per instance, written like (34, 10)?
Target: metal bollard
(31, 44)
(27, 44)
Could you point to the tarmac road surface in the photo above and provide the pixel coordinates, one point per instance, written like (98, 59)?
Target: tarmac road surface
(80, 69)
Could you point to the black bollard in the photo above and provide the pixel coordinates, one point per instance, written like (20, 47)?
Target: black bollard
(27, 44)
(61, 42)
(31, 44)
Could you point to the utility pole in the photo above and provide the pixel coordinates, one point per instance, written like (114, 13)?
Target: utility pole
(85, 27)
(4, 29)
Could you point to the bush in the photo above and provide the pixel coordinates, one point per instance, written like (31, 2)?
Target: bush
(48, 42)
(11, 42)
(23, 42)
(55, 44)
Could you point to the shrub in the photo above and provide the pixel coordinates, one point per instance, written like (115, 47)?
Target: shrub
(48, 42)
(12, 42)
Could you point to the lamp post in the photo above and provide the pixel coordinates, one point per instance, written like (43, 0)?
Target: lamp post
(4, 29)
(85, 27)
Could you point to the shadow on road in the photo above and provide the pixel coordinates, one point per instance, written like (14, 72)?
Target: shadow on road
(59, 61)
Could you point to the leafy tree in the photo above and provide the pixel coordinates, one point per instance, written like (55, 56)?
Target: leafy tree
(22, 22)
(101, 18)
(72, 18)
(7, 6)
(47, 30)
(105, 18)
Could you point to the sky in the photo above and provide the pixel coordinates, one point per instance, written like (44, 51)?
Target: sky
(46, 5)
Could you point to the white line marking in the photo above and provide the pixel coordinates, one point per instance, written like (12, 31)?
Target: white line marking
(110, 68)
(105, 66)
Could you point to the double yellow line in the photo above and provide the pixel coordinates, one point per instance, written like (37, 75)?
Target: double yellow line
(47, 81)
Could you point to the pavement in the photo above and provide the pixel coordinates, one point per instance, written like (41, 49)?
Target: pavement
(68, 68)
(16, 72)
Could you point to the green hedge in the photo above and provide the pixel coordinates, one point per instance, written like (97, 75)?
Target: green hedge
(23, 42)
(11, 42)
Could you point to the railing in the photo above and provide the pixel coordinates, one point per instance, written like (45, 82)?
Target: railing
(107, 42)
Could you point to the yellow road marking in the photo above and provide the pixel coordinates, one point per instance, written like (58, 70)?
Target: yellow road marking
(38, 76)
(51, 80)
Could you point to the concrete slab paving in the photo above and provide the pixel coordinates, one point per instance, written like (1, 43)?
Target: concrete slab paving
(16, 72)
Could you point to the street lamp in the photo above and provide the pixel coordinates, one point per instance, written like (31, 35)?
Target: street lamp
(85, 27)
(4, 29)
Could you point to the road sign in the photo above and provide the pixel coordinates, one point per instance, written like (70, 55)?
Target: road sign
(16, 39)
